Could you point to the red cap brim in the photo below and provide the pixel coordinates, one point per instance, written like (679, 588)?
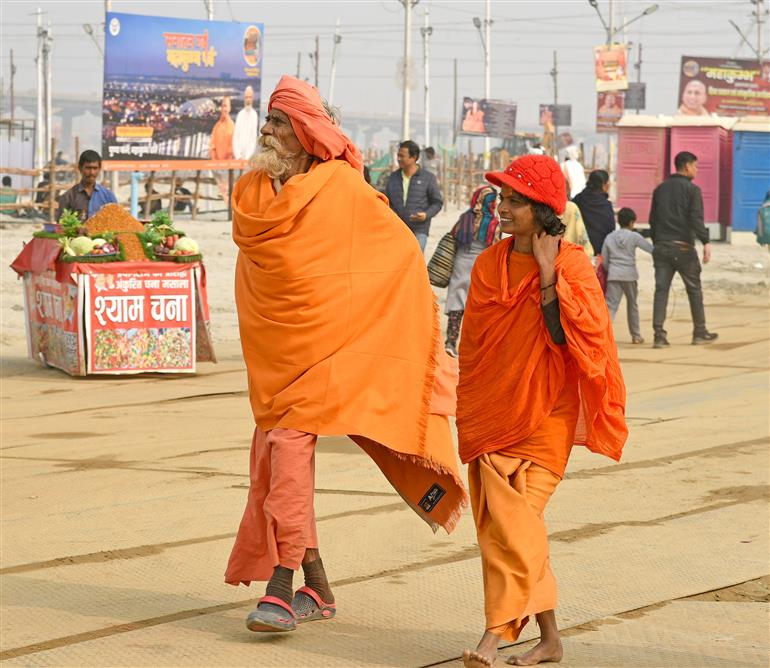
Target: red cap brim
(520, 186)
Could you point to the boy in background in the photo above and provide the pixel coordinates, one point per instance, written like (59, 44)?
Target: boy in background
(619, 260)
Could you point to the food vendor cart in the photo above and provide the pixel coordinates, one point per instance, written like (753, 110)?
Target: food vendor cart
(114, 314)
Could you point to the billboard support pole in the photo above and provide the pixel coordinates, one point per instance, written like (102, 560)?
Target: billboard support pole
(555, 75)
(39, 147)
(337, 40)
(405, 92)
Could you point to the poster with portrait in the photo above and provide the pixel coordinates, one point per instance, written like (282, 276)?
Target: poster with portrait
(180, 91)
(723, 86)
(609, 110)
(555, 114)
(610, 63)
(489, 118)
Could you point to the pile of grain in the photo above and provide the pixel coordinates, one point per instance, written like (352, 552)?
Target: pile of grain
(112, 218)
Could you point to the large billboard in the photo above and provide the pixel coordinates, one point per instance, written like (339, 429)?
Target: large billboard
(179, 90)
(723, 86)
(489, 118)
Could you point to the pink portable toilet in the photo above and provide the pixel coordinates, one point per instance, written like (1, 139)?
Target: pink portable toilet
(710, 139)
(643, 157)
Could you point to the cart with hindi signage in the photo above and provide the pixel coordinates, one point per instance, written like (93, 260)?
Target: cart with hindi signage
(90, 315)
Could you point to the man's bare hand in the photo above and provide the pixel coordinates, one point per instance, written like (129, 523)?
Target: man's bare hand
(706, 253)
(418, 217)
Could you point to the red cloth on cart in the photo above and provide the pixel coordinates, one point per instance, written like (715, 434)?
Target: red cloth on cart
(37, 256)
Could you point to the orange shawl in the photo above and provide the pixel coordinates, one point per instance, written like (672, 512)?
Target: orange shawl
(511, 372)
(339, 327)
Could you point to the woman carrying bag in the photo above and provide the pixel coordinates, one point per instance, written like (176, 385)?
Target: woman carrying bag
(476, 229)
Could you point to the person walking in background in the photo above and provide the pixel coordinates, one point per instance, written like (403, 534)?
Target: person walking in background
(575, 231)
(573, 171)
(430, 161)
(762, 231)
(246, 128)
(413, 193)
(596, 208)
(619, 260)
(676, 221)
(477, 229)
(539, 373)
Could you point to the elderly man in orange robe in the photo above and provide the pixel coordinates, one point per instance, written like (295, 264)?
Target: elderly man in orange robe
(539, 373)
(340, 334)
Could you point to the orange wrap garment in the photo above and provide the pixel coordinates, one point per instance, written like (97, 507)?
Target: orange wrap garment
(512, 373)
(316, 132)
(339, 329)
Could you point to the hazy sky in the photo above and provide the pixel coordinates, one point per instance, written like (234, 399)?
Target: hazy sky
(524, 35)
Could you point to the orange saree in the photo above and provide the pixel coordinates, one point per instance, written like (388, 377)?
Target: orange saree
(523, 401)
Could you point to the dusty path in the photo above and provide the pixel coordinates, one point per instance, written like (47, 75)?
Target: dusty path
(120, 498)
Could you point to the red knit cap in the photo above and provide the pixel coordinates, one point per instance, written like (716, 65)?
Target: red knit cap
(537, 177)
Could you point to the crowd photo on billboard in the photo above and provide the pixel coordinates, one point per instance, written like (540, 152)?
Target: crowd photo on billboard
(179, 89)
(723, 86)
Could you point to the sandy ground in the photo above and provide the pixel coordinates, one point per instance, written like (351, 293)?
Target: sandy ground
(120, 498)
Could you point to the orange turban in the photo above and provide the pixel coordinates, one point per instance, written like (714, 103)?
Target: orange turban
(317, 133)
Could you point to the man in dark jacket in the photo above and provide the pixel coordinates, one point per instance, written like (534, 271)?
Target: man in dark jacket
(413, 193)
(676, 220)
(596, 208)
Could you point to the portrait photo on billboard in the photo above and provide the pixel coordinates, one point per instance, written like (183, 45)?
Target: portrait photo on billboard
(609, 110)
(723, 87)
(555, 114)
(180, 89)
(490, 118)
(473, 113)
(611, 67)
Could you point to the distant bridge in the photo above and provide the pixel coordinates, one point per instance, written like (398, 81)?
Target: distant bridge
(365, 129)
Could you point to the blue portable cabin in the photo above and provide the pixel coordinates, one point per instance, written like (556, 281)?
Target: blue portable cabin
(751, 169)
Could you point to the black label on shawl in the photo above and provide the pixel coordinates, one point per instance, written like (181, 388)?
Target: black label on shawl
(432, 497)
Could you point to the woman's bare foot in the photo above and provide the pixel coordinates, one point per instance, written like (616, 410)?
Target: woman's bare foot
(476, 660)
(543, 652)
(485, 654)
(549, 648)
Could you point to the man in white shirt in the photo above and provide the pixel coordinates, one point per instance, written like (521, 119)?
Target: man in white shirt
(573, 172)
(246, 128)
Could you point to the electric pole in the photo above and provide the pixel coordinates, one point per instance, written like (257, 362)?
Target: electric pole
(48, 93)
(299, 64)
(39, 110)
(209, 9)
(555, 77)
(314, 59)
(611, 29)
(13, 96)
(405, 99)
(456, 102)
(337, 40)
(107, 6)
(638, 67)
(426, 31)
